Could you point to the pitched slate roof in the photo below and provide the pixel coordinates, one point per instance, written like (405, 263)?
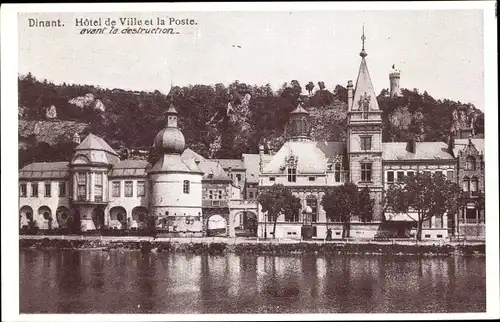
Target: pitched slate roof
(129, 168)
(311, 159)
(364, 88)
(251, 163)
(213, 171)
(93, 142)
(174, 163)
(190, 154)
(45, 170)
(234, 164)
(396, 151)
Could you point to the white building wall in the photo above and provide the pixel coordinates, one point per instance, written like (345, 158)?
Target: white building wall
(52, 202)
(128, 203)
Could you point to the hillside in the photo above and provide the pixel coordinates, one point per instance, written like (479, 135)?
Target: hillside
(218, 121)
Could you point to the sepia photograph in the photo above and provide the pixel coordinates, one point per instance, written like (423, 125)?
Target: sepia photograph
(288, 160)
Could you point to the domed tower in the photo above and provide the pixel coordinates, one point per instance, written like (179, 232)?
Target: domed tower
(299, 124)
(175, 184)
(394, 77)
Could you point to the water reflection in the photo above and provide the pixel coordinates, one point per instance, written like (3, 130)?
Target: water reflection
(132, 282)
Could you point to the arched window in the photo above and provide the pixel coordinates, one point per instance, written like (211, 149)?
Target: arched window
(470, 163)
(186, 186)
(473, 184)
(466, 184)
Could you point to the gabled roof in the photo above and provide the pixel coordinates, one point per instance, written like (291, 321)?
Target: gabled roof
(364, 89)
(93, 142)
(251, 163)
(396, 151)
(190, 154)
(174, 163)
(234, 164)
(310, 158)
(129, 168)
(213, 171)
(299, 110)
(461, 144)
(45, 170)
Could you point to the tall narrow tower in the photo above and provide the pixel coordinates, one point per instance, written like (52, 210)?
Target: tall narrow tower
(394, 77)
(364, 131)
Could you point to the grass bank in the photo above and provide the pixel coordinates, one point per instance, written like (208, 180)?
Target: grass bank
(256, 247)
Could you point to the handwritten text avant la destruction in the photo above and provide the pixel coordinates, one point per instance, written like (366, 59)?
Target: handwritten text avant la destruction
(121, 25)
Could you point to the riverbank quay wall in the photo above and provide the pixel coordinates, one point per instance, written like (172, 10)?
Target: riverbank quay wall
(235, 245)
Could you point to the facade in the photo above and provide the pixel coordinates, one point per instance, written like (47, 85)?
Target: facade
(183, 193)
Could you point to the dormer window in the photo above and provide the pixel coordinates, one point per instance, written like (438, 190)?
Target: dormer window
(292, 174)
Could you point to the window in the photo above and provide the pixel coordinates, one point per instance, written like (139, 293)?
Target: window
(466, 184)
(366, 143)
(449, 175)
(473, 185)
(210, 194)
(81, 178)
(439, 221)
(128, 189)
(438, 173)
(292, 175)
(238, 176)
(141, 191)
(390, 176)
(98, 186)
(185, 186)
(313, 203)
(409, 174)
(62, 189)
(250, 195)
(401, 176)
(470, 163)
(116, 189)
(47, 189)
(337, 172)
(312, 179)
(272, 179)
(428, 173)
(23, 190)
(220, 194)
(366, 172)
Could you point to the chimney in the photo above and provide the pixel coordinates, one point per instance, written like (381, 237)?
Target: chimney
(451, 143)
(411, 146)
(76, 138)
(230, 174)
(261, 155)
(349, 94)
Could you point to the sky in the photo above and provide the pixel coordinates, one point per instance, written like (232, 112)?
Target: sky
(440, 51)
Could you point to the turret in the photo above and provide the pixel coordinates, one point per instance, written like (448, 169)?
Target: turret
(350, 94)
(394, 77)
(298, 123)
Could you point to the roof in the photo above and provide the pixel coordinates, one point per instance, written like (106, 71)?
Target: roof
(312, 157)
(394, 151)
(234, 164)
(461, 144)
(174, 163)
(364, 89)
(190, 154)
(251, 163)
(45, 170)
(299, 110)
(93, 142)
(213, 171)
(129, 168)
(333, 150)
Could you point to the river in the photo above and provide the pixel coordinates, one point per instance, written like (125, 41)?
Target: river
(90, 281)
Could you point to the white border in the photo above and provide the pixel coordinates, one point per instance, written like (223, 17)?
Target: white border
(9, 66)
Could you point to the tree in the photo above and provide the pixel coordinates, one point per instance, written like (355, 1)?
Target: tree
(345, 201)
(277, 200)
(310, 87)
(424, 194)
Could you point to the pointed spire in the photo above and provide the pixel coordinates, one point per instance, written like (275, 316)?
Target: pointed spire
(363, 53)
